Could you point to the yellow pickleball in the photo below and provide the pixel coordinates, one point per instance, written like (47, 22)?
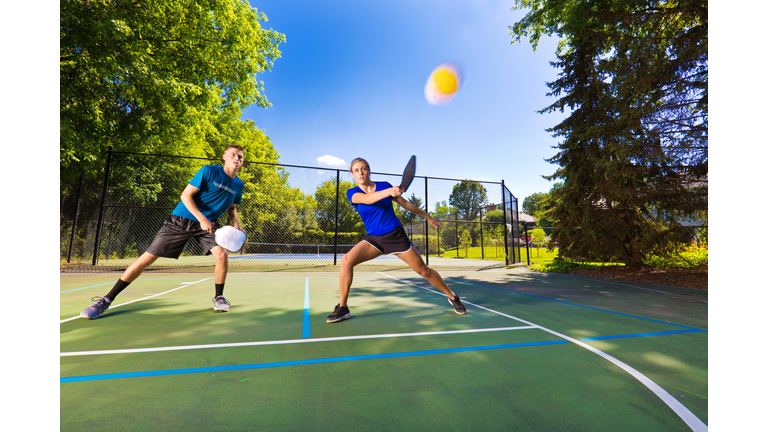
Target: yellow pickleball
(442, 84)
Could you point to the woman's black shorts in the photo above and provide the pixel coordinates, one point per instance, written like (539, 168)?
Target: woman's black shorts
(394, 242)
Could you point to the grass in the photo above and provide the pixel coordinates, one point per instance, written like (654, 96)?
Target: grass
(692, 257)
(566, 266)
(493, 253)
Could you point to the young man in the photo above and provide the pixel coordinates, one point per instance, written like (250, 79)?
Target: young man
(212, 191)
(384, 235)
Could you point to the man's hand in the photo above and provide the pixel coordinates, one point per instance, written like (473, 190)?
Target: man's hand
(206, 225)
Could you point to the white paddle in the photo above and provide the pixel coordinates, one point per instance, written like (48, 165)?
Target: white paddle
(230, 238)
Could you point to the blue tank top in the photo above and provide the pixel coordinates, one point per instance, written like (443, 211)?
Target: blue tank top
(379, 218)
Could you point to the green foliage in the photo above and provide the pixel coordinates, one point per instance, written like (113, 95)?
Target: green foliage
(691, 257)
(540, 205)
(442, 210)
(468, 198)
(160, 77)
(538, 235)
(465, 239)
(404, 215)
(325, 196)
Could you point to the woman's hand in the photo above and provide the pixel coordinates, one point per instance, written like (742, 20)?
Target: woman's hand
(434, 222)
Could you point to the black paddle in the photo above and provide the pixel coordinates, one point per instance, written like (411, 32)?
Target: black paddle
(408, 173)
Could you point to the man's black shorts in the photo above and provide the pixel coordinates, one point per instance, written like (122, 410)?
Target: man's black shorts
(394, 242)
(174, 234)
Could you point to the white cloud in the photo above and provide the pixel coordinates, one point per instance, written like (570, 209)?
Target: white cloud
(331, 161)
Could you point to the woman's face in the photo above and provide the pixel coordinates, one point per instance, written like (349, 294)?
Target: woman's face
(361, 172)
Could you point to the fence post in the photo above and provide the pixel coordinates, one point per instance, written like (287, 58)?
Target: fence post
(103, 207)
(426, 223)
(482, 247)
(336, 222)
(527, 243)
(504, 219)
(77, 211)
(456, 221)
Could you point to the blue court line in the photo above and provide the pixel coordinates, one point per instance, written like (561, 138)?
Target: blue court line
(305, 329)
(299, 362)
(574, 304)
(642, 335)
(113, 282)
(92, 286)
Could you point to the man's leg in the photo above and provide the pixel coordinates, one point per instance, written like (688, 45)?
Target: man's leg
(129, 275)
(220, 304)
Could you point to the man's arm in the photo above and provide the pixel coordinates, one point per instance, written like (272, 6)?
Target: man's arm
(232, 214)
(189, 203)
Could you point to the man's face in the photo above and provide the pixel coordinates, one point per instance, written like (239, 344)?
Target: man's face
(233, 158)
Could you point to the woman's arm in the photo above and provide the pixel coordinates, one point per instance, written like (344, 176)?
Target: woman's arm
(413, 209)
(370, 198)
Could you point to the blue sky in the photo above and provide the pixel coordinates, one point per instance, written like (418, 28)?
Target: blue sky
(351, 79)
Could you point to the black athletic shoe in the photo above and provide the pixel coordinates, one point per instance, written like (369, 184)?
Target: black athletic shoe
(339, 314)
(458, 306)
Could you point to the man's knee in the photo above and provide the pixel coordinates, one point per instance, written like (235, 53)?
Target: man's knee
(220, 253)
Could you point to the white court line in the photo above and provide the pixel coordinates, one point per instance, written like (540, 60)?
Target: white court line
(684, 413)
(288, 341)
(184, 285)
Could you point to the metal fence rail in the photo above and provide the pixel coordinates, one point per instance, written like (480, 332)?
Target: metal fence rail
(295, 216)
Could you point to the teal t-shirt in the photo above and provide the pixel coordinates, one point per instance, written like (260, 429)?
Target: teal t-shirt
(379, 218)
(217, 193)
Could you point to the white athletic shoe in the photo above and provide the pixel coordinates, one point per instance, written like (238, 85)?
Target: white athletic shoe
(220, 304)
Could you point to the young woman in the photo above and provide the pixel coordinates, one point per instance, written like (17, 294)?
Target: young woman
(384, 235)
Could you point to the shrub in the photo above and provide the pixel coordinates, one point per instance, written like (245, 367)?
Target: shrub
(691, 256)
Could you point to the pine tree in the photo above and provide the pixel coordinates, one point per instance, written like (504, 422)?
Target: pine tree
(634, 78)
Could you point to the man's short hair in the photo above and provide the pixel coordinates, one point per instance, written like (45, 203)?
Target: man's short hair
(234, 146)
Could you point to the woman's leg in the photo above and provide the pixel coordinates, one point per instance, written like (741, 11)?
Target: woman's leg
(413, 259)
(361, 253)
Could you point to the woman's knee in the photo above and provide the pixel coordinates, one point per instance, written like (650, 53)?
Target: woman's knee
(424, 271)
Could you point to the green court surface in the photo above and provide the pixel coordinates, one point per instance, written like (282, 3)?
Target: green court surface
(535, 352)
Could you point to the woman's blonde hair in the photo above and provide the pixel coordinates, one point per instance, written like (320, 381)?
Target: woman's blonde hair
(356, 160)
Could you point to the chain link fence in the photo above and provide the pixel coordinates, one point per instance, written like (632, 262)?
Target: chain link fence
(295, 217)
